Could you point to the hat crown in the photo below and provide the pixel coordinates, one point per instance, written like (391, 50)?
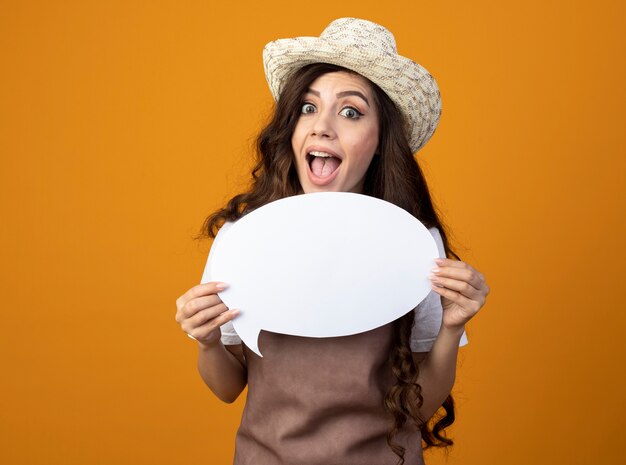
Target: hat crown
(360, 33)
(369, 50)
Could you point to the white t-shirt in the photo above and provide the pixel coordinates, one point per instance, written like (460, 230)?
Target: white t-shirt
(425, 327)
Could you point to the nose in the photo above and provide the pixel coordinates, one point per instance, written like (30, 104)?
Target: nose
(322, 125)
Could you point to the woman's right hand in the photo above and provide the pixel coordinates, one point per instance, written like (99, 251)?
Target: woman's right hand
(200, 313)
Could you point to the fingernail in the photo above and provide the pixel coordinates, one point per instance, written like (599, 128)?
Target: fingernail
(436, 270)
(221, 286)
(439, 261)
(235, 312)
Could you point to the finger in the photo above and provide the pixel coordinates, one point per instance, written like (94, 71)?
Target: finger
(460, 271)
(200, 290)
(450, 262)
(198, 304)
(203, 316)
(201, 332)
(470, 305)
(462, 287)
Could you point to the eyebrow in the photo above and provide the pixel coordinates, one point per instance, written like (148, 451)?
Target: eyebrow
(345, 93)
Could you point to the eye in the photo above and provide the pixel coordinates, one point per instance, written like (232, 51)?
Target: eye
(350, 113)
(307, 108)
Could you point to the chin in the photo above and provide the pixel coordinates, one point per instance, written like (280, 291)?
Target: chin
(312, 188)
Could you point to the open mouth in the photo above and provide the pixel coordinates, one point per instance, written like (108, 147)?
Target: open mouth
(322, 164)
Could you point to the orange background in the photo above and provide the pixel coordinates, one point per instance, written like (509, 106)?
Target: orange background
(122, 124)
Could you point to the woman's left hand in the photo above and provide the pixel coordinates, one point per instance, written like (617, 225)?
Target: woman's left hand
(462, 288)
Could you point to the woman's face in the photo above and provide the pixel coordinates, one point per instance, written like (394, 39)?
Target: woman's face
(337, 134)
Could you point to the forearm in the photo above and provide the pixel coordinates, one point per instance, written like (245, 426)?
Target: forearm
(437, 371)
(222, 372)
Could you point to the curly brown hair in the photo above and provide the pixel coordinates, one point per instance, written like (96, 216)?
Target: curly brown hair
(394, 176)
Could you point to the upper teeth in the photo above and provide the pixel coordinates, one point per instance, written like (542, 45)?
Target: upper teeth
(320, 154)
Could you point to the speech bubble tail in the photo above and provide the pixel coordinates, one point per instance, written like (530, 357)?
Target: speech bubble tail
(255, 347)
(249, 335)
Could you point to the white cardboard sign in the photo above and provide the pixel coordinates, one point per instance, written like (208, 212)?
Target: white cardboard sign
(321, 265)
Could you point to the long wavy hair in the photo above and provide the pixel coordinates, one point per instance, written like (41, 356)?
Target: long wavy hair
(395, 176)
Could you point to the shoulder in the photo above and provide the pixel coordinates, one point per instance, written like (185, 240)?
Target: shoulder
(438, 240)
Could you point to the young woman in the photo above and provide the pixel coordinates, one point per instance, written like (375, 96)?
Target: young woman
(350, 113)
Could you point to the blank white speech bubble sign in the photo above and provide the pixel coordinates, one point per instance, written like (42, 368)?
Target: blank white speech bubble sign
(321, 265)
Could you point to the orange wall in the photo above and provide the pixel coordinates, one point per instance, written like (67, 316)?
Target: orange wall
(122, 124)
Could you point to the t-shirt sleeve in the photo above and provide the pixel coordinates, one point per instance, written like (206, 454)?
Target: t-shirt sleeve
(429, 312)
(229, 335)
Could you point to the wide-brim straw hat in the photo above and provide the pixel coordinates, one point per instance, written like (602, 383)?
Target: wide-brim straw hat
(370, 50)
